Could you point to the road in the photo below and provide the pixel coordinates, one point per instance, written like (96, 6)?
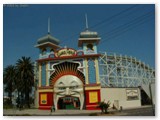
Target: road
(149, 111)
(142, 111)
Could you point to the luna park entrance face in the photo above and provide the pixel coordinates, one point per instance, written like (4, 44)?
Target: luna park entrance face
(68, 103)
(68, 93)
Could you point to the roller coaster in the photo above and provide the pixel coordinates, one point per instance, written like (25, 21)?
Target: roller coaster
(124, 71)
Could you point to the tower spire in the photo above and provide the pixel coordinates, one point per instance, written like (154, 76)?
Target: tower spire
(86, 22)
(49, 25)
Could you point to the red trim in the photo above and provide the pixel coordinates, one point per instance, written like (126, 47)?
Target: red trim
(68, 57)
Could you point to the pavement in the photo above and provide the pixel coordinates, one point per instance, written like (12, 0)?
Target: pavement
(37, 112)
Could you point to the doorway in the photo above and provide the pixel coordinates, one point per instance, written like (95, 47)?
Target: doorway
(68, 103)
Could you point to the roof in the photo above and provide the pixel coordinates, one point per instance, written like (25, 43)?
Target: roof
(88, 37)
(88, 34)
(48, 38)
(47, 44)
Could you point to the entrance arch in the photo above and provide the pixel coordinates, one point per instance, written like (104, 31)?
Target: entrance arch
(68, 103)
(67, 81)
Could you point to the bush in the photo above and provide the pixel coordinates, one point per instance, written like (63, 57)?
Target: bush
(104, 106)
(7, 104)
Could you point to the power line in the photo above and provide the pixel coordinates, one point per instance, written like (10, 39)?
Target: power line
(132, 22)
(130, 26)
(113, 16)
(110, 18)
(126, 15)
(124, 31)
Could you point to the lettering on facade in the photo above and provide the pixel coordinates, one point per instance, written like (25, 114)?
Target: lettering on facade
(65, 52)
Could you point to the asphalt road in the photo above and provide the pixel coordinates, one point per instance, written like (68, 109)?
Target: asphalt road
(142, 111)
(149, 111)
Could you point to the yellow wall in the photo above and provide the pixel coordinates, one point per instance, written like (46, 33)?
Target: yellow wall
(93, 97)
(43, 98)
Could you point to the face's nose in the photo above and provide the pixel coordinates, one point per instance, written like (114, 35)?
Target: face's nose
(67, 91)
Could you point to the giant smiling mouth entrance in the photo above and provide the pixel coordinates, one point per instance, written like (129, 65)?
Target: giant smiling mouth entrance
(68, 88)
(68, 103)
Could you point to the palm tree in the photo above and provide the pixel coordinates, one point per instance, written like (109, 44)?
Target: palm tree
(9, 80)
(25, 75)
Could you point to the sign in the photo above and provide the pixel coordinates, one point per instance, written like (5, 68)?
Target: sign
(65, 52)
(93, 97)
(132, 94)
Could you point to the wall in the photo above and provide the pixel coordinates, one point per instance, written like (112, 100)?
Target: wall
(118, 97)
(92, 97)
(45, 100)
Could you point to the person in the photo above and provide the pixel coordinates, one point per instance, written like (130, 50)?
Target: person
(52, 108)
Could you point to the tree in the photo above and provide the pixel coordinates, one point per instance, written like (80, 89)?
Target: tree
(9, 80)
(25, 74)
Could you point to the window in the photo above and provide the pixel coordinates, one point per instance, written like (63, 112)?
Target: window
(90, 47)
(43, 51)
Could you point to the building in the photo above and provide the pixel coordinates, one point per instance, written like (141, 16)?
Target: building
(70, 79)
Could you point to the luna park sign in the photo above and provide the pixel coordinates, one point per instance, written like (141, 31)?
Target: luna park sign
(65, 52)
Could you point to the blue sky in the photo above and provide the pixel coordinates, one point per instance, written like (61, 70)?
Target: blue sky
(124, 29)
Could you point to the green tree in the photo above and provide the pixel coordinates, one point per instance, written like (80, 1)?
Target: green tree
(9, 80)
(25, 75)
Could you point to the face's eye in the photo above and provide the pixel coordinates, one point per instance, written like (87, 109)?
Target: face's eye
(61, 88)
(73, 87)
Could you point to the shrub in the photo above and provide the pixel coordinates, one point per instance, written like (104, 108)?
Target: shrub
(104, 106)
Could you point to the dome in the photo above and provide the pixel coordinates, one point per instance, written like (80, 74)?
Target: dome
(88, 34)
(48, 38)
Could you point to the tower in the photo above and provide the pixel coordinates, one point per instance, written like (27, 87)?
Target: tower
(88, 41)
(47, 45)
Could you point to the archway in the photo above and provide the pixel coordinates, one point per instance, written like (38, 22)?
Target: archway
(68, 103)
(69, 91)
(67, 81)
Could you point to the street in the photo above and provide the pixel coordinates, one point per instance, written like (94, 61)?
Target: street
(139, 112)
(142, 111)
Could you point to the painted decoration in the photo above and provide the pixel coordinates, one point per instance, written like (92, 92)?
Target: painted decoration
(65, 52)
(43, 98)
(93, 97)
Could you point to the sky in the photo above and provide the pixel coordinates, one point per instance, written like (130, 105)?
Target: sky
(126, 29)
